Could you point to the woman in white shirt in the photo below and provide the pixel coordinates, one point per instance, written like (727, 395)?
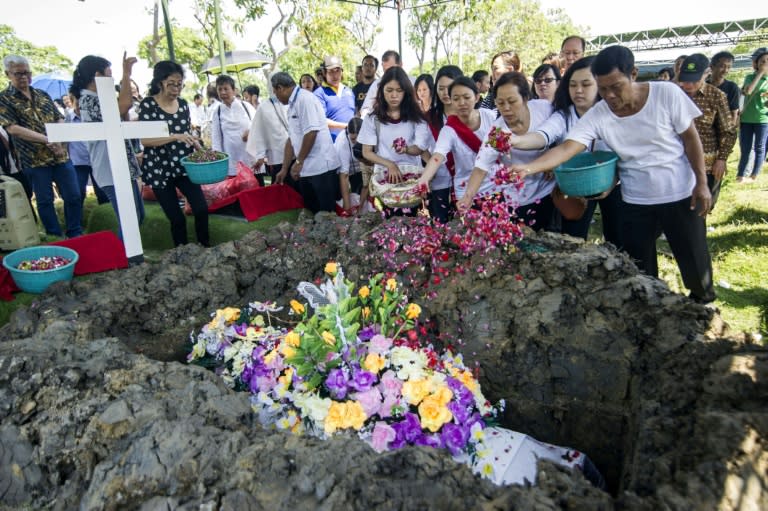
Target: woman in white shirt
(519, 114)
(395, 133)
(230, 124)
(575, 95)
(461, 137)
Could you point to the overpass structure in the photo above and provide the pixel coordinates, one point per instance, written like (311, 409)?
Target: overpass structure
(751, 32)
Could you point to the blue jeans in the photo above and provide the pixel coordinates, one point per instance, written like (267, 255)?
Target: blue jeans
(85, 172)
(749, 132)
(42, 179)
(109, 191)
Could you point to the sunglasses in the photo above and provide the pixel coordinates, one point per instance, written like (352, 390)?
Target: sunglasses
(21, 74)
(539, 81)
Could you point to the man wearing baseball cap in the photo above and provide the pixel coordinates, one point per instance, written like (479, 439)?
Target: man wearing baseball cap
(716, 129)
(337, 99)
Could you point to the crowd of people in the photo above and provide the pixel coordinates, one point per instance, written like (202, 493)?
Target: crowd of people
(328, 140)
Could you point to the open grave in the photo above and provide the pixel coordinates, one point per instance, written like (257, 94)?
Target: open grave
(98, 409)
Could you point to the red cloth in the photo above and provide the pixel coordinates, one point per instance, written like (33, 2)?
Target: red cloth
(465, 134)
(98, 252)
(259, 202)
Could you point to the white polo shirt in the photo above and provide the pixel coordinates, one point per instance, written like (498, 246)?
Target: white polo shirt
(464, 157)
(269, 131)
(653, 166)
(536, 186)
(306, 114)
(414, 134)
(230, 122)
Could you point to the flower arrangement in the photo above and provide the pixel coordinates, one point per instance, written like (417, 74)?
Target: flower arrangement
(206, 156)
(355, 365)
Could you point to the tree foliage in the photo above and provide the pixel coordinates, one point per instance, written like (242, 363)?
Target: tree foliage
(42, 59)
(190, 48)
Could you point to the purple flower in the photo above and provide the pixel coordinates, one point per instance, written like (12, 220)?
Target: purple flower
(454, 437)
(430, 441)
(408, 430)
(460, 392)
(391, 384)
(336, 383)
(382, 435)
(380, 344)
(370, 400)
(362, 380)
(460, 412)
(366, 333)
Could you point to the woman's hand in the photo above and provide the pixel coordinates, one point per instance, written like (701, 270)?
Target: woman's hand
(128, 63)
(423, 185)
(393, 173)
(464, 204)
(187, 138)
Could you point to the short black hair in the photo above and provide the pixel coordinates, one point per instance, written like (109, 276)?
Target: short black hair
(517, 79)
(225, 80)
(614, 57)
(198, 96)
(479, 75)
(253, 90)
(721, 55)
(375, 60)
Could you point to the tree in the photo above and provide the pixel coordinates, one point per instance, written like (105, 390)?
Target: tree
(42, 59)
(190, 48)
(518, 25)
(434, 25)
(206, 18)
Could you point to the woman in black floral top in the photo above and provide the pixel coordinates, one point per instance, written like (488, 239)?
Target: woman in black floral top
(162, 168)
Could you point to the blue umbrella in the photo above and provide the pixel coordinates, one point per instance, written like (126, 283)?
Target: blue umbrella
(55, 84)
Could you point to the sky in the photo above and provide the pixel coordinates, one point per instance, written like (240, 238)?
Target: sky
(107, 27)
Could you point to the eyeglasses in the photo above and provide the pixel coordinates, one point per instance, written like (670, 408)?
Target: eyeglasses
(539, 81)
(174, 85)
(21, 74)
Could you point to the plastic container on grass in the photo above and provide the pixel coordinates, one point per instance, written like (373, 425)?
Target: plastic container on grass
(587, 174)
(37, 281)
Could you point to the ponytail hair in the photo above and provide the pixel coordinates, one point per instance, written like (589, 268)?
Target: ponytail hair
(161, 71)
(85, 73)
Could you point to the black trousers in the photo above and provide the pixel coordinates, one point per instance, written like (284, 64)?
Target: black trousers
(536, 215)
(319, 192)
(611, 213)
(440, 207)
(168, 201)
(686, 233)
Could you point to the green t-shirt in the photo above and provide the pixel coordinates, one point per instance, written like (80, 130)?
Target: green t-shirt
(756, 104)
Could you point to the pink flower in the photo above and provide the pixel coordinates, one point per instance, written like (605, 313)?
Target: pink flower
(370, 400)
(390, 384)
(380, 344)
(382, 435)
(385, 410)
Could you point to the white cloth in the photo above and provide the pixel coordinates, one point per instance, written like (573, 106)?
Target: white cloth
(414, 134)
(343, 146)
(653, 166)
(536, 186)
(370, 98)
(229, 123)
(269, 131)
(463, 157)
(306, 114)
(198, 114)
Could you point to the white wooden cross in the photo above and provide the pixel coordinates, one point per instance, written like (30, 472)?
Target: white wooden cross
(114, 131)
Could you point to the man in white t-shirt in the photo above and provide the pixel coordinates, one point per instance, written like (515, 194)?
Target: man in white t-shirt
(309, 153)
(661, 166)
(389, 59)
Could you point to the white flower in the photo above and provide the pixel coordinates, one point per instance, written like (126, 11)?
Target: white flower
(312, 406)
(410, 364)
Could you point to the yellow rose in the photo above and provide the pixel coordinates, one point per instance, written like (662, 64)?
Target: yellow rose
(468, 380)
(329, 338)
(366, 312)
(355, 415)
(443, 395)
(293, 339)
(335, 418)
(391, 284)
(414, 391)
(374, 363)
(269, 357)
(364, 292)
(231, 314)
(331, 268)
(287, 351)
(297, 307)
(413, 311)
(433, 414)
(287, 377)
